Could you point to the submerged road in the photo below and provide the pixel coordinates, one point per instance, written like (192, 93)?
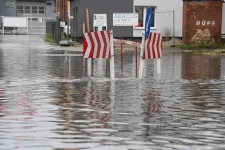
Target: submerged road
(48, 103)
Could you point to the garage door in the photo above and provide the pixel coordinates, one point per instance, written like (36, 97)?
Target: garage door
(35, 11)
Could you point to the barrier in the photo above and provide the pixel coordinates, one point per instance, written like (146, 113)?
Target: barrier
(99, 45)
(151, 49)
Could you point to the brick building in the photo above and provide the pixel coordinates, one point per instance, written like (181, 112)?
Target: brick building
(63, 9)
(202, 21)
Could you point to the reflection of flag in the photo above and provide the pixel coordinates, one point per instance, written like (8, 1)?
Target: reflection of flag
(98, 102)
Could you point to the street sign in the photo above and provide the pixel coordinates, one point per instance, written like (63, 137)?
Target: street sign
(153, 46)
(125, 19)
(11, 3)
(148, 23)
(97, 44)
(15, 22)
(100, 20)
(62, 24)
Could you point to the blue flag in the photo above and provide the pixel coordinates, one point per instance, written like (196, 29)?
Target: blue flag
(148, 23)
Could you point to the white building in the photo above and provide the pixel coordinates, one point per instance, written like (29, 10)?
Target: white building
(163, 17)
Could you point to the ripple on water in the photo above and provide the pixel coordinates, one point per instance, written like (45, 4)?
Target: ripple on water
(49, 102)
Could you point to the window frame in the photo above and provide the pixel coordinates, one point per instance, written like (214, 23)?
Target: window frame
(42, 10)
(20, 9)
(34, 9)
(144, 16)
(27, 8)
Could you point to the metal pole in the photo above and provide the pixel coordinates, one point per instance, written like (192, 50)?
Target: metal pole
(136, 60)
(63, 11)
(121, 55)
(173, 28)
(27, 25)
(68, 25)
(141, 61)
(3, 30)
(112, 67)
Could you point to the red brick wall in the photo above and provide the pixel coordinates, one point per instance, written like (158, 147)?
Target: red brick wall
(203, 15)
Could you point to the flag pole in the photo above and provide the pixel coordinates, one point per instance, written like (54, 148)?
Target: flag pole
(141, 63)
(145, 36)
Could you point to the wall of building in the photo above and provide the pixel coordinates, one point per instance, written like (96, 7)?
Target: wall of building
(99, 6)
(63, 10)
(6, 10)
(11, 11)
(163, 20)
(202, 21)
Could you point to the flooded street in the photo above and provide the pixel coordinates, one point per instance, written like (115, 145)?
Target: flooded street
(48, 103)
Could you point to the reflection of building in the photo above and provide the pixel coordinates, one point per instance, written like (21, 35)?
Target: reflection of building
(1, 63)
(196, 67)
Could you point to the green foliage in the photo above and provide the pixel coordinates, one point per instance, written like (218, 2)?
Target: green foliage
(49, 38)
(200, 46)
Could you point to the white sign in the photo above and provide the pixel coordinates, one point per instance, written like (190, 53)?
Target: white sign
(100, 20)
(62, 24)
(205, 23)
(125, 19)
(15, 22)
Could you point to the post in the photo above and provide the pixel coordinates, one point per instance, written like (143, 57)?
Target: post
(27, 25)
(68, 26)
(75, 41)
(3, 30)
(136, 60)
(173, 28)
(121, 54)
(141, 62)
(158, 66)
(83, 27)
(88, 30)
(112, 69)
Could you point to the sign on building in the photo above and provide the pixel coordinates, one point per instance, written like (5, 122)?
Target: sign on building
(125, 19)
(100, 22)
(15, 22)
(11, 3)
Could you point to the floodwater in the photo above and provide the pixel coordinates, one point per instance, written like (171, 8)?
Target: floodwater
(48, 103)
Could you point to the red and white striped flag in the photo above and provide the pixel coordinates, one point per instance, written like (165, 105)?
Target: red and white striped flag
(153, 46)
(96, 44)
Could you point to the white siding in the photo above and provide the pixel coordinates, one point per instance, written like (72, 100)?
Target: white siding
(163, 20)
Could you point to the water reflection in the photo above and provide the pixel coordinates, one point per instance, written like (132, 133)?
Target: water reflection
(173, 110)
(201, 67)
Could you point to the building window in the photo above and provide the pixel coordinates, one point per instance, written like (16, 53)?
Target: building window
(141, 10)
(20, 9)
(49, 4)
(27, 9)
(34, 9)
(41, 10)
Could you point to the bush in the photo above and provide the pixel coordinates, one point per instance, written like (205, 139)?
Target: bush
(49, 38)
